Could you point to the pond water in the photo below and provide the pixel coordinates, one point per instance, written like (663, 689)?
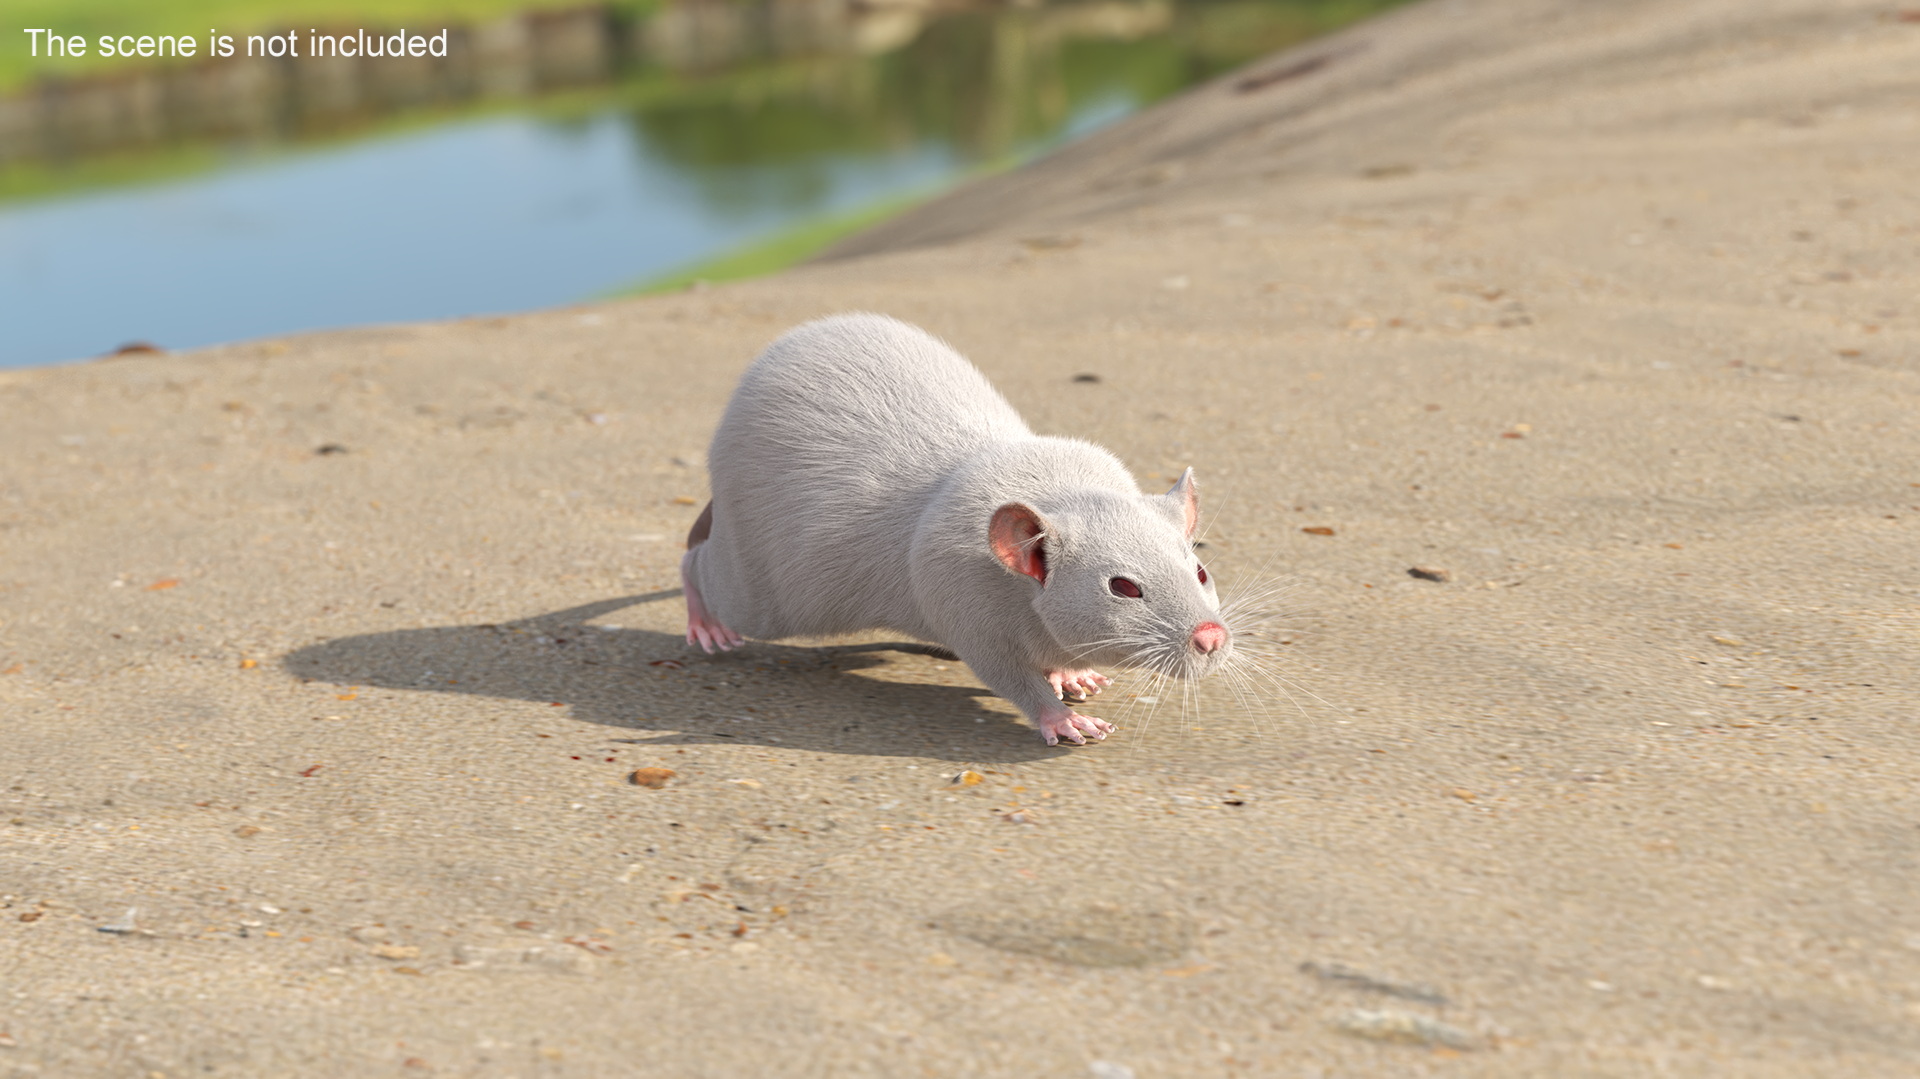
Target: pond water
(562, 199)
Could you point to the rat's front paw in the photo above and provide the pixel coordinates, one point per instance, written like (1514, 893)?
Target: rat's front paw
(1077, 682)
(1066, 723)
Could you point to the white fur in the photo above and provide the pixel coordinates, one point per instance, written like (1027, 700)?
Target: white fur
(854, 476)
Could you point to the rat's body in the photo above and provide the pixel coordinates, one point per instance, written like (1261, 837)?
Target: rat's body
(865, 476)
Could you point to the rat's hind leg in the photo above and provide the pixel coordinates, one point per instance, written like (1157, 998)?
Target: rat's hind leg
(1077, 683)
(703, 628)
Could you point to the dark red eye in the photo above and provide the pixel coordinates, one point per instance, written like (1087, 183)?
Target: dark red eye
(1203, 575)
(1120, 586)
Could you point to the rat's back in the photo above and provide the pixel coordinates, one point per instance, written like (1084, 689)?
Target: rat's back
(823, 462)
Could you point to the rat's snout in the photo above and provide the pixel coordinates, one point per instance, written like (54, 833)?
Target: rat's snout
(1209, 637)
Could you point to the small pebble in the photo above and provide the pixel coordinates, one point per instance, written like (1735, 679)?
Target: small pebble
(1431, 573)
(397, 951)
(122, 926)
(1360, 979)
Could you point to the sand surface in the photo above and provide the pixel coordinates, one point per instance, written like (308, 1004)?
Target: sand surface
(1608, 309)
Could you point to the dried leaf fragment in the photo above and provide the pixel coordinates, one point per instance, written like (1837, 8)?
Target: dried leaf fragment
(1406, 1028)
(654, 778)
(969, 778)
(1430, 573)
(398, 951)
(1317, 530)
(1463, 794)
(1189, 970)
(163, 584)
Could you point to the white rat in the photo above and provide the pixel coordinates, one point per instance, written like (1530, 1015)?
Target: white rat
(865, 476)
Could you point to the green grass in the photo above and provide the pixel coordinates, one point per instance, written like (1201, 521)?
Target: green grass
(91, 18)
(33, 178)
(776, 252)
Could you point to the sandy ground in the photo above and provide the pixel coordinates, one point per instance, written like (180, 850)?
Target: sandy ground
(1609, 310)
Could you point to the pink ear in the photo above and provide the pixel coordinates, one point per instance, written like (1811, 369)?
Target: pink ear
(1186, 495)
(1019, 539)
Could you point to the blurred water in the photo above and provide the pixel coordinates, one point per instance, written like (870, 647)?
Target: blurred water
(507, 211)
(489, 215)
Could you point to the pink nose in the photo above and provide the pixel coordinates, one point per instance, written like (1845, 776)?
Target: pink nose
(1209, 636)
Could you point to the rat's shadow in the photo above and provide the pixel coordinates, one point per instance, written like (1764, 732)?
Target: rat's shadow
(644, 681)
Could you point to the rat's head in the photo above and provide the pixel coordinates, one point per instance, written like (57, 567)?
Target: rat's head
(1119, 582)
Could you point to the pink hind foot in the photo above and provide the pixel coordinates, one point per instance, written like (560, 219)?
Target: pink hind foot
(1062, 722)
(1077, 682)
(703, 628)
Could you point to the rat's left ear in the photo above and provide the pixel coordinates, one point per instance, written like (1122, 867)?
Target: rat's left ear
(1018, 536)
(1183, 503)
